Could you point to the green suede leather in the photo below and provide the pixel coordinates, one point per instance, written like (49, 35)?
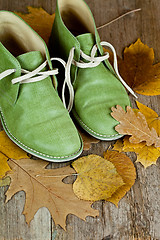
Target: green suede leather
(33, 115)
(96, 89)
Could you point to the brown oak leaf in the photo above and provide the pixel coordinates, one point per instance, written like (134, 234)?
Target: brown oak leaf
(135, 124)
(44, 188)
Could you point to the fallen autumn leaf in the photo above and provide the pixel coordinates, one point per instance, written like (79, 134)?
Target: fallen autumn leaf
(138, 71)
(134, 124)
(125, 169)
(44, 188)
(8, 150)
(97, 178)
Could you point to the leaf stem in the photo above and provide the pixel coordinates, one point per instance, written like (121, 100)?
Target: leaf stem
(63, 175)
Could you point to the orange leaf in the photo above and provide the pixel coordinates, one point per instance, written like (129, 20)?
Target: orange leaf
(39, 20)
(125, 169)
(138, 71)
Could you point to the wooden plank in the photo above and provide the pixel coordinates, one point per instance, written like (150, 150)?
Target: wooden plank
(138, 214)
(12, 222)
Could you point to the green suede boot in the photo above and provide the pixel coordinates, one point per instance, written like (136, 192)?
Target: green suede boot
(32, 114)
(97, 87)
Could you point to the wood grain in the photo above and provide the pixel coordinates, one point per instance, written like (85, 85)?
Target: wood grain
(138, 214)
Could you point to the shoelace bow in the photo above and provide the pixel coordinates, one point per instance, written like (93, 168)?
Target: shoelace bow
(93, 61)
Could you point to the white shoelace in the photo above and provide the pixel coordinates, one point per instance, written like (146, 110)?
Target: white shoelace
(93, 61)
(29, 77)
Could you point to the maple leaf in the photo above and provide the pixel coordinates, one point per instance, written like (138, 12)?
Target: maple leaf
(125, 169)
(8, 150)
(97, 178)
(44, 188)
(151, 116)
(87, 140)
(135, 124)
(138, 71)
(146, 155)
(39, 20)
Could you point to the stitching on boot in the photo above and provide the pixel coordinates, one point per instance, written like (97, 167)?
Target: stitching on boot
(42, 154)
(101, 135)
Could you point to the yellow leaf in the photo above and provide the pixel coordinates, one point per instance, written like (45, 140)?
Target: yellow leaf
(97, 178)
(134, 124)
(125, 169)
(118, 146)
(151, 116)
(146, 155)
(44, 188)
(138, 71)
(5, 181)
(128, 146)
(39, 20)
(9, 149)
(3, 165)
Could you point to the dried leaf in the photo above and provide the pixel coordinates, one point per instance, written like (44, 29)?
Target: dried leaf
(135, 124)
(3, 165)
(127, 145)
(5, 181)
(44, 188)
(138, 71)
(125, 169)
(151, 116)
(39, 20)
(87, 140)
(146, 155)
(118, 146)
(8, 150)
(97, 178)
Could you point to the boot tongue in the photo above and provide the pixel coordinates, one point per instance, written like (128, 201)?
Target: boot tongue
(31, 60)
(87, 41)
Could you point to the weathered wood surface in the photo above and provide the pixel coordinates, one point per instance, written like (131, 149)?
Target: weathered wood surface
(138, 215)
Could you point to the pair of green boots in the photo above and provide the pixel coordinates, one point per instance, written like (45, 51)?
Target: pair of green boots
(32, 114)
